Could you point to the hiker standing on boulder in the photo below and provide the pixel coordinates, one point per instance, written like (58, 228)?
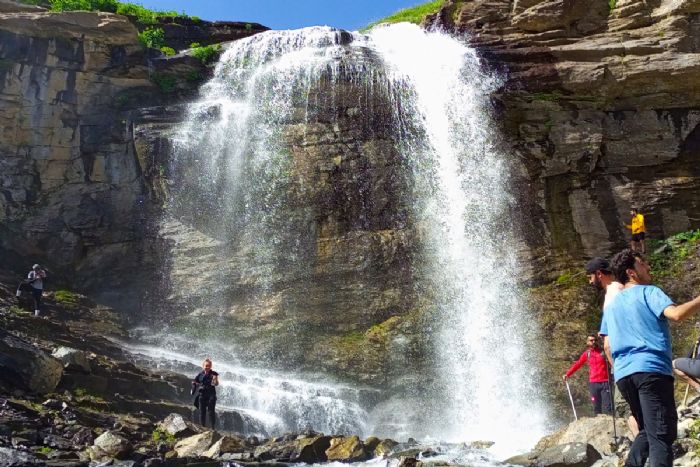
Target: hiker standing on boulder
(35, 278)
(598, 383)
(204, 386)
(601, 277)
(638, 339)
(638, 231)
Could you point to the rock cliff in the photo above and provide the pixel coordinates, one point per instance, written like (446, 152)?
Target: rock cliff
(73, 192)
(600, 110)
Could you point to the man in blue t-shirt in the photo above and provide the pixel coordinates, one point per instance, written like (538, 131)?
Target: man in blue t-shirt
(638, 340)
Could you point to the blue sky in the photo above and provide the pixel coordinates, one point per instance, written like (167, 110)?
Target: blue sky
(287, 14)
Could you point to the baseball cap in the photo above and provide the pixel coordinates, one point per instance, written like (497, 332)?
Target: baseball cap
(597, 264)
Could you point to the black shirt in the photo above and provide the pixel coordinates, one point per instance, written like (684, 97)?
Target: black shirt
(205, 381)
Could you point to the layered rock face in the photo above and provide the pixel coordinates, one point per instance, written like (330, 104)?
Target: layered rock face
(72, 188)
(601, 108)
(306, 249)
(73, 193)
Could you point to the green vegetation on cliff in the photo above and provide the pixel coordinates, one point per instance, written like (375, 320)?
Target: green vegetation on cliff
(143, 15)
(414, 14)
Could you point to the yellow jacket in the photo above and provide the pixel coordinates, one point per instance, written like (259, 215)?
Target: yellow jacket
(637, 224)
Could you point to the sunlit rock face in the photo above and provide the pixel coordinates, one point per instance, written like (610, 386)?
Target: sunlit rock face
(74, 194)
(601, 110)
(70, 179)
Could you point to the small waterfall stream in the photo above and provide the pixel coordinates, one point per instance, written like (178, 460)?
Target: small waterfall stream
(237, 215)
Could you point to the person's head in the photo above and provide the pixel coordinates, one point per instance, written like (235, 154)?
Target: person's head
(206, 364)
(599, 272)
(634, 211)
(591, 341)
(629, 265)
(36, 267)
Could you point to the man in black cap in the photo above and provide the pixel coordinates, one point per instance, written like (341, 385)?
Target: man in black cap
(601, 277)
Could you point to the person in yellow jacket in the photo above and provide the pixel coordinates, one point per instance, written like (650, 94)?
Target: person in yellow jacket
(638, 231)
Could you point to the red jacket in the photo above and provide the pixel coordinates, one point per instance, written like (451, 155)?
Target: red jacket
(598, 370)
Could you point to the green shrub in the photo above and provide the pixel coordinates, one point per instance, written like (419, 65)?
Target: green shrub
(194, 76)
(168, 50)
(45, 450)
(6, 64)
(143, 15)
(16, 310)
(160, 435)
(612, 4)
(66, 296)
(153, 38)
(413, 15)
(207, 53)
(85, 5)
(165, 82)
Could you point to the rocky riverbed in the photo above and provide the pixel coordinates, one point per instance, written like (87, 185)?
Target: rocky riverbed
(71, 396)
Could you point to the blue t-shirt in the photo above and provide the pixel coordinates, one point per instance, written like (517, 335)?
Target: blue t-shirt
(638, 332)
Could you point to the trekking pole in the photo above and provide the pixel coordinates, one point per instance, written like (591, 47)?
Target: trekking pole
(693, 355)
(568, 389)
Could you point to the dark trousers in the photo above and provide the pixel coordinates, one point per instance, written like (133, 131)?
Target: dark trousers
(37, 293)
(601, 397)
(650, 396)
(207, 403)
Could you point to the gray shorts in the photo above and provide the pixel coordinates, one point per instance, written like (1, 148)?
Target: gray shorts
(689, 366)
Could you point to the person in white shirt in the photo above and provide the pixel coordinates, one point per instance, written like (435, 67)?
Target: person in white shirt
(36, 281)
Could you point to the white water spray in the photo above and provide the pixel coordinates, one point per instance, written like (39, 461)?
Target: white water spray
(485, 358)
(484, 364)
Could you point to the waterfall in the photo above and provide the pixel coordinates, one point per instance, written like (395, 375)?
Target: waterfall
(247, 234)
(484, 340)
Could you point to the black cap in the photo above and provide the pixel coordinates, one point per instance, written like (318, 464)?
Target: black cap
(597, 264)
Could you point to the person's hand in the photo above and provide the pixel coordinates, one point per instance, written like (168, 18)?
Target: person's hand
(564, 377)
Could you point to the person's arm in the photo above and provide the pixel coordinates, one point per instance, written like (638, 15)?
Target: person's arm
(577, 364)
(683, 311)
(215, 379)
(608, 352)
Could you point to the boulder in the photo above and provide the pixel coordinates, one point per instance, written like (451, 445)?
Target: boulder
(312, 450)
(14, 458)
(346, 449)
(563, 455)
(371, 443)
(73, 359)
(290, 448)
(176, 425)
(24, 366)
(596, 431)
(409, 462)
(385, 447)
(226, 445)
(197, 445)
(113, 444)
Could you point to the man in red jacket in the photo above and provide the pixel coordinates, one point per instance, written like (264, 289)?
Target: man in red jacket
(598, 382)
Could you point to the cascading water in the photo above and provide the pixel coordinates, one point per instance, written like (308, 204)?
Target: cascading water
(231, 219)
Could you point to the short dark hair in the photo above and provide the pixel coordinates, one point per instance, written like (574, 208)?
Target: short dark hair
(623, 261)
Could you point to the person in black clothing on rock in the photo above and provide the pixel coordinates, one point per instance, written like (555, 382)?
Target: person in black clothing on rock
(204, 386)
